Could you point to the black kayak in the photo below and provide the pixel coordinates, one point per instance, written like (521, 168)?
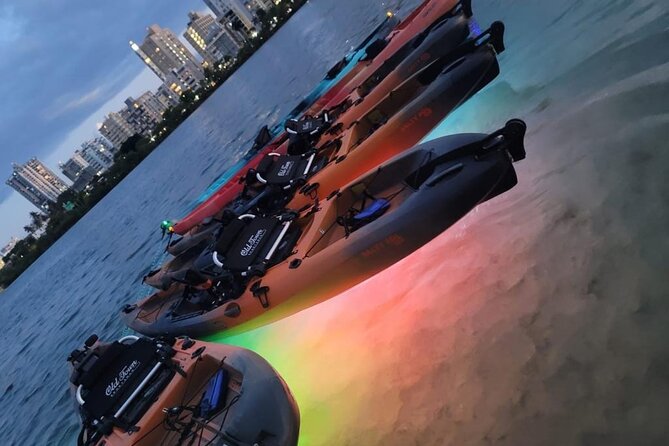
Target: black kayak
(145, 392)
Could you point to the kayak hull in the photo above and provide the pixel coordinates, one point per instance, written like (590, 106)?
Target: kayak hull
(452, 86)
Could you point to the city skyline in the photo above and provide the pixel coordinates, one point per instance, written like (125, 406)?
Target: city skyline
(64, 141)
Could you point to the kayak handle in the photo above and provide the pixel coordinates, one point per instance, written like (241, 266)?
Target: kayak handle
(128, 338)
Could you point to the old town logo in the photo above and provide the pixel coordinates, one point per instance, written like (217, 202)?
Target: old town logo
(121, 378)
(285, 168)
(253, 243)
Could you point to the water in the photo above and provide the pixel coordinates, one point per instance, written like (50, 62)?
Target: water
(539, 319)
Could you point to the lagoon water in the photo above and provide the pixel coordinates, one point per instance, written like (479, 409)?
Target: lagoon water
(540, 319)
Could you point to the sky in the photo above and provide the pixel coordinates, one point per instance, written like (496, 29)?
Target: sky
(64, 64)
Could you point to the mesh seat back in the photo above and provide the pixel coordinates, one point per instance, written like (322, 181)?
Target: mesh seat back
(115, 375)
(229, 235)
(252, 244)
(285, 169)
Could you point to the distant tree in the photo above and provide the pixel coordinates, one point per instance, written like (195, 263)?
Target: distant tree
(187, 97)
(130, 144)
(38, 219)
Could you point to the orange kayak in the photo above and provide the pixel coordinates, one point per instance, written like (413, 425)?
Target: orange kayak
(144, 392)
(262, 269)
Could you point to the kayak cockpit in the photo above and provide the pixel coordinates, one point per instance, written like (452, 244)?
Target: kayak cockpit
(379, 193)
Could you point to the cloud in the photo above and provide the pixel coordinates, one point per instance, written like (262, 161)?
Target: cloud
(87, 128)
(67, 103)
(11, 26)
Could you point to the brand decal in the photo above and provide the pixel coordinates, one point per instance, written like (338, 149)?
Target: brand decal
(419, 62)
(125, 374)
(285, 168)
(379, 248)
(422, 114)
(253, 243)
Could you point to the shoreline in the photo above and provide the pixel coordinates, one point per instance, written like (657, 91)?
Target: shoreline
(133, 152)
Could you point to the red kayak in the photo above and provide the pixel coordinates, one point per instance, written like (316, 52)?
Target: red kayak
(419, 20)
(229, 190)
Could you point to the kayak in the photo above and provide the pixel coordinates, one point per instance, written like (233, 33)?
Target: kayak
(261, 269)
(447, 39)
(397, 123)
(144, 392)
(402, 119)
(379, 51)
(425, 15)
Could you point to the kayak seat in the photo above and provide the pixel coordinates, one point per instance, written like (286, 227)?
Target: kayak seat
(308, 126)
(285, 171)
(261, 242)
(213, 399)
(253, 243)
(229, 234)
(355, 218)
(109, 375)
(262, 139)
(374, 210)
(304, 132)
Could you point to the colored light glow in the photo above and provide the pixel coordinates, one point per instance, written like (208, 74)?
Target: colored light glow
(350, 360)
(379, 361)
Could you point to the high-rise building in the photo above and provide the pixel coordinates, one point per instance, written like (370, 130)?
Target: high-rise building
(37, 183)
(259, 4)
(9, 246)
(98, 153)
(79, 171)
(144, 113)
(210, 38)
(166, 96)
(169, 59)
(116, 129)
(73, 167)
(234, 16)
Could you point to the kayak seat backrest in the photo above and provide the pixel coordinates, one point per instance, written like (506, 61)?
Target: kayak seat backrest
(262, 139)
(115, 375)
(252, 244)
(265, 164)
(374, 49)
(298, 145)
(96, 361)
(285, 169)
(308, 126)
(230, 234)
